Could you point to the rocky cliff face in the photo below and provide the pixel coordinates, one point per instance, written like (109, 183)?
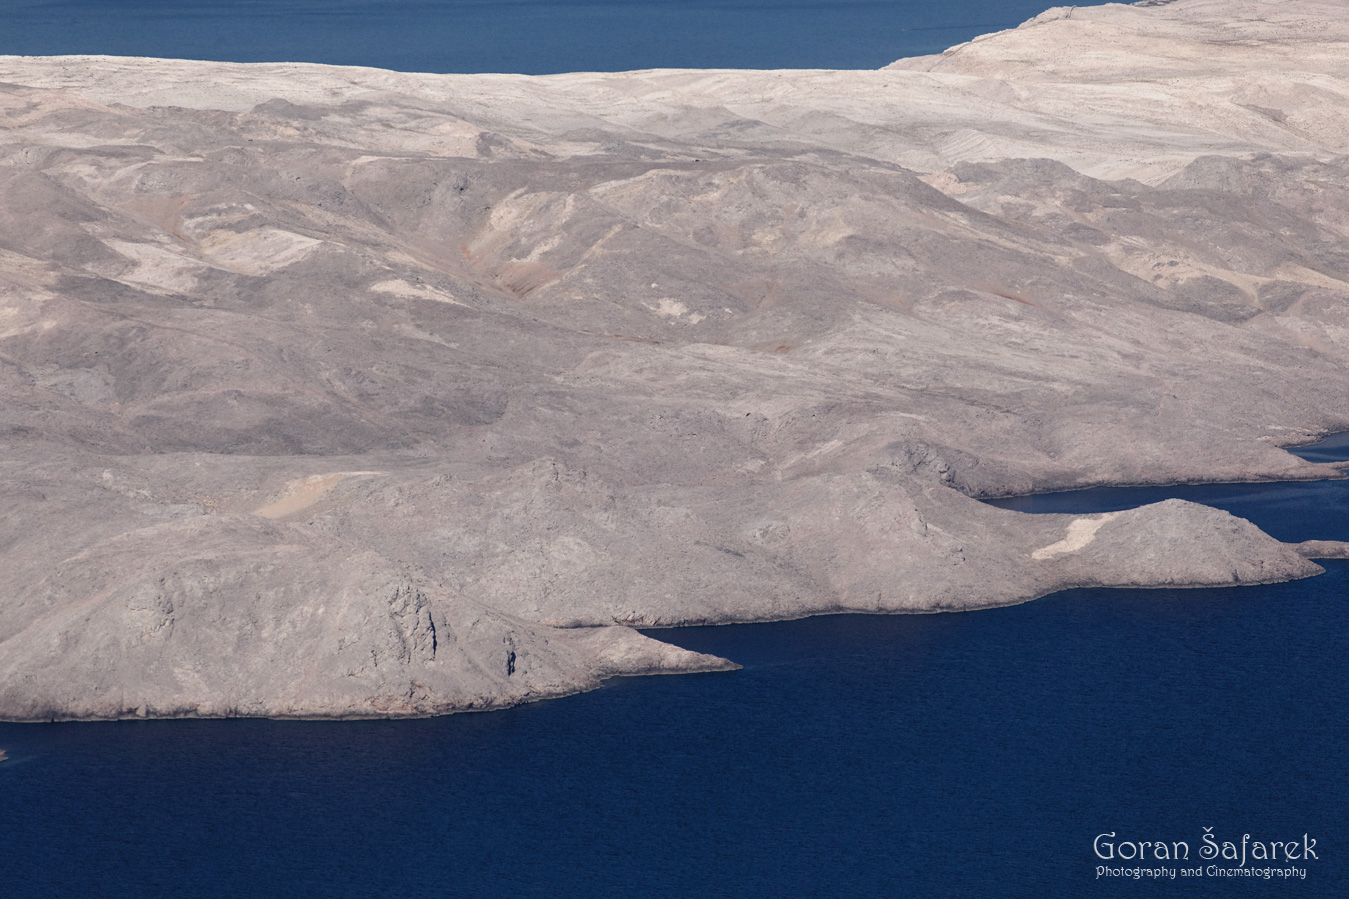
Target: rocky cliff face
(334, 392)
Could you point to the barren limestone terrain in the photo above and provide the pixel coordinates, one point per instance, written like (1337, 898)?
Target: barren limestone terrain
(336, 392)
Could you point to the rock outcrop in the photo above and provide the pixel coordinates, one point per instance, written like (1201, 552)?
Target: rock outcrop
(338, 392)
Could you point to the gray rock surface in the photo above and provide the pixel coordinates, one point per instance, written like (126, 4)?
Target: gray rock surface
(337, 392)
(1323, 549)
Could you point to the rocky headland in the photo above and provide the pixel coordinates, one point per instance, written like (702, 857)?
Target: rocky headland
(334, 392)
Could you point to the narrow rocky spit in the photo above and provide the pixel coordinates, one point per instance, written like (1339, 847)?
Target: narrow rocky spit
(335, 392)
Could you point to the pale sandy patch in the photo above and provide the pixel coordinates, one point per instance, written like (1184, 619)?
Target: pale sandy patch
(1080, 533)
(157, 268)
(304, 493)
(256, 252)
(672, 308)
(400, 288)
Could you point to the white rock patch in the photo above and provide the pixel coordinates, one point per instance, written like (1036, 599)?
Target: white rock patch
(1080, 533)
(256, 252)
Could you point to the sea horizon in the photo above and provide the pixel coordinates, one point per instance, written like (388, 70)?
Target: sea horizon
(530, 37)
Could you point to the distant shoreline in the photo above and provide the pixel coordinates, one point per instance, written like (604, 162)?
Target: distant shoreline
(539, 39)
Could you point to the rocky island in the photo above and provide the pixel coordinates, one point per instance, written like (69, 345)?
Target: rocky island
(334, 392)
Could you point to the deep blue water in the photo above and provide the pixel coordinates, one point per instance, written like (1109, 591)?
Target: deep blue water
(975, 755)
(530, 36)
(970, 755)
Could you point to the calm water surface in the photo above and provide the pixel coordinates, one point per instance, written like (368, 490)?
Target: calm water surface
(974, 754)
(531, 36)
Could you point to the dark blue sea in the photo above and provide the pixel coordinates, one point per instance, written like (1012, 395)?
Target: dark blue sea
(965, 755)
(529, 36)
(976, 754)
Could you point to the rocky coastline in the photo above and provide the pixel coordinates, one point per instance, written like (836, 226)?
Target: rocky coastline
(335, 392)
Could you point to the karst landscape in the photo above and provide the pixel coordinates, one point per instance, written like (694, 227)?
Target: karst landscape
(336, 392)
